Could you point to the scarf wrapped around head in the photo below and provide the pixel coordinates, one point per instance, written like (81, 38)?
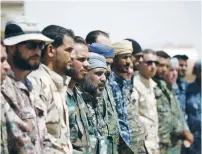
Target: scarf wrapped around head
(123, 47)
(102, 49)
(96, 61)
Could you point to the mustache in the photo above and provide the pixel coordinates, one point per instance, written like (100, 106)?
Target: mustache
(35, 56)
(102, 84)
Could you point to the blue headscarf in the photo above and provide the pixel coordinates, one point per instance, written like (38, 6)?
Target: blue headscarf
(102, 49)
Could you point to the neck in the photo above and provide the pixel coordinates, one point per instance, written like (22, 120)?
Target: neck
(19, 74)
(71, 84)
(49, 65)
(144, 76)
(119, 73)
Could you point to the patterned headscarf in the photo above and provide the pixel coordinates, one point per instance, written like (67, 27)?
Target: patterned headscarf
(96, 61)
(102, 49)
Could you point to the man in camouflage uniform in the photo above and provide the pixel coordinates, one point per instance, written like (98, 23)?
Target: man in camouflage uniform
(181, 84)
(78, 123)
(49, 82)
(171, 122)
(24, 44)
(144, 98)
(131, 129)
(193, 109)
(13, 130)
(93, 86)
(107, 104)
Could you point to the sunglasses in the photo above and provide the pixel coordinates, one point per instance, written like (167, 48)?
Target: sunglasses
(150, 62)
(138, 57)
(31, 45)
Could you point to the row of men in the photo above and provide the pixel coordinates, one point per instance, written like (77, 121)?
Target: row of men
(61, 96)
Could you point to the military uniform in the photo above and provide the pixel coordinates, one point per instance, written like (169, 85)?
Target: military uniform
(193, 110)
(14, 138)
(27, 106)
(181, 93)
(108, 111)
(131, 129)
(144, 99)
(52, 91)
(99, 143)
(171, 120)
(78, 122)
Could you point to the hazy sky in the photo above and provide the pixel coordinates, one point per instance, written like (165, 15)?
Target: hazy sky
(151, 23)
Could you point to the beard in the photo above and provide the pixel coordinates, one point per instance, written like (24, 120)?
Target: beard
(91, 88)
(22, 63)
(69, 71)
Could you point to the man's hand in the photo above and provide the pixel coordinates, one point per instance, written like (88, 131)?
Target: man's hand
(189, 138)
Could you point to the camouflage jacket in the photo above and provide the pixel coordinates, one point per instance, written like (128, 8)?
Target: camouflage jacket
(171, 120)
(180, 92)
(109, 114)
(144, 100)
(96, 124)
(193, 108)
(50, 86)
(14, 138)
(116, 84)
(78, 122)
(26, 104)
(132, 129)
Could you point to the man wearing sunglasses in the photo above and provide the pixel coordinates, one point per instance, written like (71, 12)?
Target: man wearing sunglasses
(24, 42)
(144, 98)
(49, 81)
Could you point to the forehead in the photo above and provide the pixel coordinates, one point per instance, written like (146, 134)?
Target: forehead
(149, 57)
(68, 41)
(182, 61)
(109, 60)
(97, 70)
(162, 60)
(80, 50)
(103, 39)
(124, 55)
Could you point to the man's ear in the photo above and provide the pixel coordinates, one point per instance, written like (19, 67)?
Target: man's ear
(51, 50)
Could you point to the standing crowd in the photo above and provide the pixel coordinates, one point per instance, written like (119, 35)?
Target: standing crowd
(62, 94)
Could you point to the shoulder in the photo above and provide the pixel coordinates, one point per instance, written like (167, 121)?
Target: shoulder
(192, 87)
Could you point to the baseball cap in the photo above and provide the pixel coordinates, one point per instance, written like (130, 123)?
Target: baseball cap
(21, 29)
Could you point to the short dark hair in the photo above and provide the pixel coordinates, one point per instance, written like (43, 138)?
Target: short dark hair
(136, 46)
(162, 54)
(80, 40)
(57, 34)
(92, 36)
(148, 51)
(183, 57)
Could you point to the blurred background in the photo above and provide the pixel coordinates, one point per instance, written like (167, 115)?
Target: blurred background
(172, 26)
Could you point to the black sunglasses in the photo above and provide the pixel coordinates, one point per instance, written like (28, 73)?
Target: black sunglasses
(138, 57)
(31, 45)
(150, 62)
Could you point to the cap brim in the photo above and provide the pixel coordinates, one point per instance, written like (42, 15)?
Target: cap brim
(25, 37)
